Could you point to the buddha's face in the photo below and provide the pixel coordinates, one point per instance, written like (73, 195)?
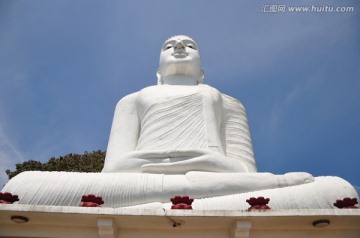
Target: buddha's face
(180, 56)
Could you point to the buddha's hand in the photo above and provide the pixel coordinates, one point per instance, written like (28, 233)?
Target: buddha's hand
(183, 161)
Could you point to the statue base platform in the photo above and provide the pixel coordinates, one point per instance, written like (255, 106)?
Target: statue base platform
(74, 222)
(155, 190)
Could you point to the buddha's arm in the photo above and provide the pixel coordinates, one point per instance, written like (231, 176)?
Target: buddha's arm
(124, 133)
(235, 131)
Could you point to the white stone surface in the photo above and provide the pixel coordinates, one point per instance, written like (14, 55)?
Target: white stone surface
(177, 129)
(215, 191)
(241, 229)
(106, 228)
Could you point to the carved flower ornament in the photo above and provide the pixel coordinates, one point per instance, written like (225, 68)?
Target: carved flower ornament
(259, 203)
(91, 201)
(8, 198)
(346, 203)
(181, 202)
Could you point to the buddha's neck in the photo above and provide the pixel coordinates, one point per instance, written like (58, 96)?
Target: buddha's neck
(179, 80)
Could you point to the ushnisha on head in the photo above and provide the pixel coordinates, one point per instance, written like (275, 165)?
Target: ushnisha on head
(180, 62)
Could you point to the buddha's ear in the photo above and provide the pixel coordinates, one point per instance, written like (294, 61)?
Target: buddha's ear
(202, 76)
(158, 75)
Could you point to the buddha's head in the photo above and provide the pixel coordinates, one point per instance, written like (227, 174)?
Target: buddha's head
(180, 57)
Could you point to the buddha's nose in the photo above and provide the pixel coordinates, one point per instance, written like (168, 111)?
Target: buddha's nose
(179, 45)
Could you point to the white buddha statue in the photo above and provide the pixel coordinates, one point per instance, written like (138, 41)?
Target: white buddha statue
(181, 124)
(180, 137)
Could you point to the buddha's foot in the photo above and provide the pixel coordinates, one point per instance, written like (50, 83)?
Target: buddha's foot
(294, 178)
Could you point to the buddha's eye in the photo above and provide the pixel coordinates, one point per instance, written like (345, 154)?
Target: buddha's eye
(168, 47)
(191, 46)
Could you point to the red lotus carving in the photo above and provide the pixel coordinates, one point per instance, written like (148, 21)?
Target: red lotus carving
(181, 202)
(259, 203)
(347, 203)
(91, 201)
(8, 198)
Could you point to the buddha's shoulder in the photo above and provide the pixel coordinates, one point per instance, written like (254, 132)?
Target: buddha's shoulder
(134, 96)
(232, 102)
(206, 87)
(226, 98)
(130, 97)
(127, 100)
(150, 89)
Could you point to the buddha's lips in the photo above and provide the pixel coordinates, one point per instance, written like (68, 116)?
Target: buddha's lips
(179, 54)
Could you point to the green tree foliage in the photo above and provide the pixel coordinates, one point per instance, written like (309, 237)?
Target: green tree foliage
(87, 162)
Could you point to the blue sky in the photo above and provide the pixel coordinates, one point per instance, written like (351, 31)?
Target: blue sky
(65, 64)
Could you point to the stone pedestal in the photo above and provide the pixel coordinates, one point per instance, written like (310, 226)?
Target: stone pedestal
(58, 221)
